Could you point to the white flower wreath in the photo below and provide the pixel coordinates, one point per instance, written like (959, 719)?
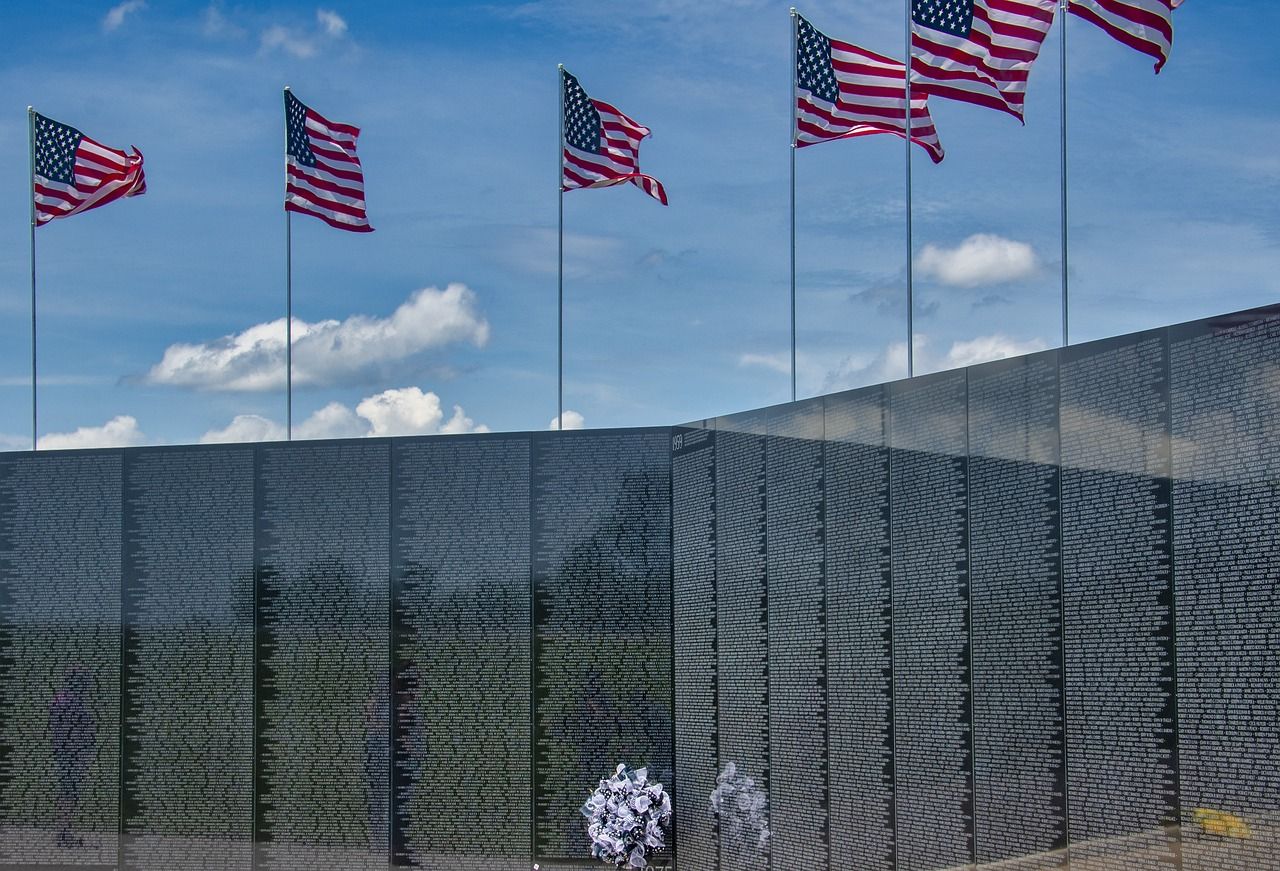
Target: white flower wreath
(627, 818)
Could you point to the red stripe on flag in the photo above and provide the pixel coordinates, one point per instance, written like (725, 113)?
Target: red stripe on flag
(991, 64)
(617, 159)
(327, 218)
(333, 189)
(1147, 28)
(871, 98)
(102, 175)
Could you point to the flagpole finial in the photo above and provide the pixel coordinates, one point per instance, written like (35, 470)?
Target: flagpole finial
(31, 110)
(287, 89)
(560, 66)
(793, 12)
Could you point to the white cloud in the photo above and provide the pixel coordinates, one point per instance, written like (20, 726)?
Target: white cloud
(332, 22)
(326, 352)
(297, 44)
(981, 259)
(117, 14)
(334, 421)
(119, 432)
(572, 420)
(776, 362)
(986, 348)
(460, 423)
(245, 428)
(304, 42)
(14, 442)
(860, 370)
(395, 412)
(405, 411)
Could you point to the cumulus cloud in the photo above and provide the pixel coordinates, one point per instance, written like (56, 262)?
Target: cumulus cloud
(245, 428)
(985, 348)
(980, 260)
(117, 14)
(409, 411)
(859, 370)
(119, 432)
(334, 421)
(460, 423)
(395, 412)
(572, 420)
(327, 352)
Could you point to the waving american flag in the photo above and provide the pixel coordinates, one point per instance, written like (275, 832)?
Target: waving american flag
(978, 51)
(844, 91)
(323, 176)
(73, 173)
(1145, 25)
(601, 145)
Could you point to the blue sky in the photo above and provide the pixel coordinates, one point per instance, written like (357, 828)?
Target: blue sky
(161, 316)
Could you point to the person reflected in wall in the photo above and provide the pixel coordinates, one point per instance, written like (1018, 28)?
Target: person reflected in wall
(73, 734)
(598, 729)
(653, 717)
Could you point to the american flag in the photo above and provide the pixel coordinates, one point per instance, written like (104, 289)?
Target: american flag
(323, 177)
(74, 174)
(1146, 25)
(601, 145)
(978, 51)
(844, 91)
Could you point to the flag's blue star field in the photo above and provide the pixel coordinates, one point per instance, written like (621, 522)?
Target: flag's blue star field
(299, 144)
(950, 16)
(813, 62)
(581, 120)
(55, 150)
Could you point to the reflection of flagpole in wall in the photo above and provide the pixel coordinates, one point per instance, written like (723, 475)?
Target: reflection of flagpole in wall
(910, 304)
(31, 147)
(793, 203)
(560, 271)
(1062, 27)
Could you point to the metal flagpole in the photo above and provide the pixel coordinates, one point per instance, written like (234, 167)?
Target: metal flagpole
(793, 203)
(31, 148)
(560, 293)
(910, 251)
(288, 291)
(288, 324)
(1062, 28)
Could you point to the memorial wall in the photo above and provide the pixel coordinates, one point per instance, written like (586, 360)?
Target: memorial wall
(1023, 615)
(330, 655)
(1039, 600)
